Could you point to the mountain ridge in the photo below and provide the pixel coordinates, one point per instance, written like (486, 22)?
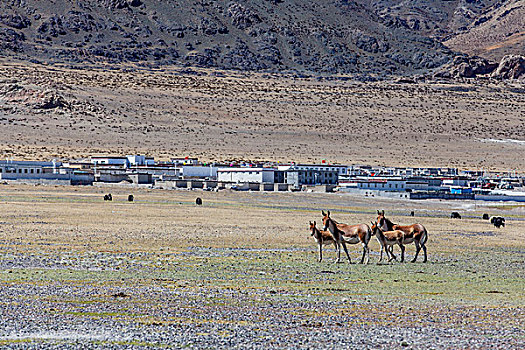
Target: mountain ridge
(332, 37)
(499, 31)
(336, 37)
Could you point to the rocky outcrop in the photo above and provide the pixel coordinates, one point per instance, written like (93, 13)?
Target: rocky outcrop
(120, 4)
(15, 21)
(32, 97)
(50, 100)
(11, 39)
(510, 67)
(73, 22)
(242, 17)
(466, 67)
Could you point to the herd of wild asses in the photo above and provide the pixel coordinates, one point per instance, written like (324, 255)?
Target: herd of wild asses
(387, 233)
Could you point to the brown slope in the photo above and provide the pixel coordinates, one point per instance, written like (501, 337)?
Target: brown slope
(498, 32)
(437, 19)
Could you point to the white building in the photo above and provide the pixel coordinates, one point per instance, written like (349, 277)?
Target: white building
(127, 161)
(157, 171)
(340, 169)
(42, 171)
(382, 184)
(103, 160)
(462, 182)
(195, 171)
(14, 169)
(135, 160)
(395, 184)
(185, 161)
(243, 175)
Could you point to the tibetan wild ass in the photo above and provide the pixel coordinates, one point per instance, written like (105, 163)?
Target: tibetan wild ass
(351, 234)
(322, 238)
(388, 239)
(416, 233)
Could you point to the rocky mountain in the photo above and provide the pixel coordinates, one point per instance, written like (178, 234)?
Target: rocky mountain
(334, 36)
(436, 19)
(362, 37)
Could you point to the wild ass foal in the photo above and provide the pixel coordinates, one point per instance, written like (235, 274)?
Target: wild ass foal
(389, 239)
(416, 233)
(322, 238)
(351, 234)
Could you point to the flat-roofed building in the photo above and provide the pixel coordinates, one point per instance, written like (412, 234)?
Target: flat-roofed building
(246, 175)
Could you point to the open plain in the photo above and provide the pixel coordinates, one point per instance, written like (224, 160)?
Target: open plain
(58, 112)
(240, 271)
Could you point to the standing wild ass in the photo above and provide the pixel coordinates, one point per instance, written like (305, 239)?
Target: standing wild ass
(322, 238)
(388, 239)
(351, 234)
(416, 233)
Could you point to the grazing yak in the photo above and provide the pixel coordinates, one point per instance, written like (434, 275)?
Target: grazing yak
(497, 221)
(108, 197)
(131, 198)
(485, 216)
(455, 215)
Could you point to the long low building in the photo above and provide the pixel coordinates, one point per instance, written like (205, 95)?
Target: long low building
(245, 175)
(393, 184)
(25, 167)
(34, 171)
(291, 176)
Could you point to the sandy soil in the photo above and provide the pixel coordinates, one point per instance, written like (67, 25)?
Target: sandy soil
(237, 116)
(241, 271)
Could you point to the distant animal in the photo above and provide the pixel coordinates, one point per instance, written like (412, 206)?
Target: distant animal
(455, 215)
(416, 233)
(486, 216)
(497, 221)
(198, 201)
(322, 238)
(108, 197)
(351, 234)
(388, 239)
(412, 213)
(131, 198)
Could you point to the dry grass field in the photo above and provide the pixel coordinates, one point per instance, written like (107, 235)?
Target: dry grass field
(227, 115)
(241, 271)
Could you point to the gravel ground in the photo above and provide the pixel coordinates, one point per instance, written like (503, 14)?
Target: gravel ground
(149, 300)
(74, 273)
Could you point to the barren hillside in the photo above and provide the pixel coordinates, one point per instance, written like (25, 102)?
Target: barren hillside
(335, 36)
(437, 19)
(497, 32)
